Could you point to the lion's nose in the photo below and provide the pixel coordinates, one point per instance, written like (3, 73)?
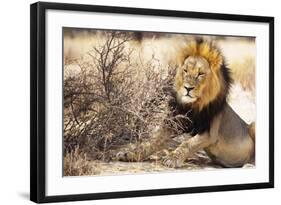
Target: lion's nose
(188, 90)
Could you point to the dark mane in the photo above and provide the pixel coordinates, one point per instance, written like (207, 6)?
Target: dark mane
(200, 121)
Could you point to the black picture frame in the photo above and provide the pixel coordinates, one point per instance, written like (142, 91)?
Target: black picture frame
(38, 100)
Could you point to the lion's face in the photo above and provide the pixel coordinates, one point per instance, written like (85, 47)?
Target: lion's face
(191, 79)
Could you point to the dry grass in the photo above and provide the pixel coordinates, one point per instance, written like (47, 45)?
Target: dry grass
(244, 73)
(77, 163)
(240, 56)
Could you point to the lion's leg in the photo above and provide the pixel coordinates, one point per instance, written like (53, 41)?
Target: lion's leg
(187, 148)
(140, 152)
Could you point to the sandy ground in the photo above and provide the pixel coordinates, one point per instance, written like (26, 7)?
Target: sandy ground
(199, 162)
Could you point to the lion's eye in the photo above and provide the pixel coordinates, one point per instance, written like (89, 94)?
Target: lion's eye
(185, 70)
(200, 75)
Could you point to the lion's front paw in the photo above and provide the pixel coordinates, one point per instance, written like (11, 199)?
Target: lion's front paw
(173, 160)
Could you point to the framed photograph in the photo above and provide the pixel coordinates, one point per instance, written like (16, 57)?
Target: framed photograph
(129, 102)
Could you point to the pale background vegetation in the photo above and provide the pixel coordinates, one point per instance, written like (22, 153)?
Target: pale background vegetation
(114, 94)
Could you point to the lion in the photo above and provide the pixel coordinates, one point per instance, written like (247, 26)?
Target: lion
(201, 86)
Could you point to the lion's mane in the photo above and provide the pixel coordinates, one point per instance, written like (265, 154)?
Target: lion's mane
(201, 112)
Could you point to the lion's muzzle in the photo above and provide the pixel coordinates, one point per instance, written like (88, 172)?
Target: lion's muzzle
(188, 89)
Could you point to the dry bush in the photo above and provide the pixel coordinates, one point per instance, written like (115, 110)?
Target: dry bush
(111, 100)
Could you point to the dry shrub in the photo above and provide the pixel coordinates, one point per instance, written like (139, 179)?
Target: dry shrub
(76, 163)
(112, 99)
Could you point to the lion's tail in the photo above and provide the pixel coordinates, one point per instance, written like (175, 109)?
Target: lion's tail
(252, 130)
